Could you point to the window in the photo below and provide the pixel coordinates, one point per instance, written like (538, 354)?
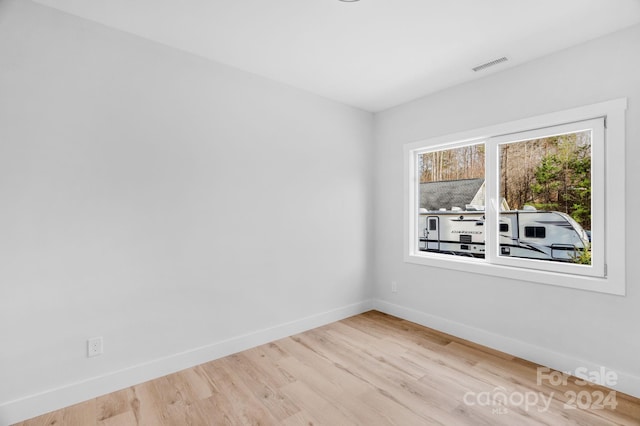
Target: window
(524, 199)
(535, 232)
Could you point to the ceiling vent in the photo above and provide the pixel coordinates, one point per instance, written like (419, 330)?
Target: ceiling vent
(490, 64)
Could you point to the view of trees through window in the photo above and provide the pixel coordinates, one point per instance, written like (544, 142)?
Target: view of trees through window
(552, 173)
(466, 162)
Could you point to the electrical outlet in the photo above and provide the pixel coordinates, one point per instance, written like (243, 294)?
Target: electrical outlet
(394, 286)
(94, 347)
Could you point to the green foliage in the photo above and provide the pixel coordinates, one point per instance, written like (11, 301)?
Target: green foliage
(563, 179)
(547, 182)
(583, 256)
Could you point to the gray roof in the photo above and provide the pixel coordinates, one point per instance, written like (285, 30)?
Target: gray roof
(448, 193)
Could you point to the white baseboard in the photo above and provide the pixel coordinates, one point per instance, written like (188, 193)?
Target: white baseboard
(64, 396)
(626, 383)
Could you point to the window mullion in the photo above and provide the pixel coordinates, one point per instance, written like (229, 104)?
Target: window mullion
(491, 201)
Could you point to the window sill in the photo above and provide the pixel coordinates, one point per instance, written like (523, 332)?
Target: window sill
(614, 283)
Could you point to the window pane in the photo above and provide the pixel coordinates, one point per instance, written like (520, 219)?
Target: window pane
(545, 190)
(452, 201)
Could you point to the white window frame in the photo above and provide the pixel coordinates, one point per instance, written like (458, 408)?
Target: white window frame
(597, 268)
(608, 200)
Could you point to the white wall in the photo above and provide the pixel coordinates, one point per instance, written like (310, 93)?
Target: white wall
(164, 202)
(553, 325)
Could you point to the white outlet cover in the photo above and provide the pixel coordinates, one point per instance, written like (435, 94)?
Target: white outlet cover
(94, 346)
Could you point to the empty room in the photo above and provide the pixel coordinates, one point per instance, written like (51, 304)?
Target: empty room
(319, 212)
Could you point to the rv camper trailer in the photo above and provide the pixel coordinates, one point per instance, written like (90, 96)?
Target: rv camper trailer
(531, 234)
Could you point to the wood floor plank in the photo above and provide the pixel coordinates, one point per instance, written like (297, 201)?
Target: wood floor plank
(261, 387)
(80, 414)
(49, 419)
(245, 407)
(122, 419)
(146, 406)
(301, 418)
(327, 412)
(114, 404)
(268, 368)
(370, 369)
(321, 373)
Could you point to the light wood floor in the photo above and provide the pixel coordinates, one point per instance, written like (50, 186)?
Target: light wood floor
(371, 369)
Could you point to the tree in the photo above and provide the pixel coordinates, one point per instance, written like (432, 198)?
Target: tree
(563, 179)
(547, 182)
(452, 164)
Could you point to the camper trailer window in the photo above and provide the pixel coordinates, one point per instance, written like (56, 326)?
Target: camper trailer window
(535, 232)
(504, 227)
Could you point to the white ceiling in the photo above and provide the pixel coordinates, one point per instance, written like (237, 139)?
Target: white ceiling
(372, 54)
